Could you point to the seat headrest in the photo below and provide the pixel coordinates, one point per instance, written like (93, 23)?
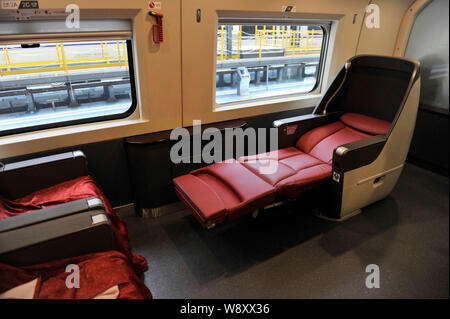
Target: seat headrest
(365, 123)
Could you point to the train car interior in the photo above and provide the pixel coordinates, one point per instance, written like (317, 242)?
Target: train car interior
(204, 149)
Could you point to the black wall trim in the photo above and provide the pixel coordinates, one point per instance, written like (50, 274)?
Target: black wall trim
(429, 145)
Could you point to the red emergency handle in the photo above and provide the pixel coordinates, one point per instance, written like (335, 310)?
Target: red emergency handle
(157, 29)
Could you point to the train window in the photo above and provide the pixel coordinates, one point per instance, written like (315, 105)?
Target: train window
(258, 61)
(75, 79)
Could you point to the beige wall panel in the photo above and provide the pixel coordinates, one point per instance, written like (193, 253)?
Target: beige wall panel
(198, 54)
(187, 57)
(382, 40)
(158, 81)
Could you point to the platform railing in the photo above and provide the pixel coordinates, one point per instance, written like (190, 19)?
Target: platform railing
(98, 57)
(290, 42)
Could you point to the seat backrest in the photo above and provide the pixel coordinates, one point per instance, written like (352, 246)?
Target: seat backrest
(375, 86)
(321, 141)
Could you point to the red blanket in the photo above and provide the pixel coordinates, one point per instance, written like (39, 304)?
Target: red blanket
(97, 273)
(79, 188)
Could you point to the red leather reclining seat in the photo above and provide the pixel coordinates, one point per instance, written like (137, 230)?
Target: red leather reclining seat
(79, 188)
(226, 191)
(103, 275)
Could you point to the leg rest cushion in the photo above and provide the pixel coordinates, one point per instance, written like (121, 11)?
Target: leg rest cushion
(296, 170)
(201, 199)
(223, 191)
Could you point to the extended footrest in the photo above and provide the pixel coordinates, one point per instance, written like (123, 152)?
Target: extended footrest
(223, 191)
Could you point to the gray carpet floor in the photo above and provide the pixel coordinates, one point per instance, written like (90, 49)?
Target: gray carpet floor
(287, 252)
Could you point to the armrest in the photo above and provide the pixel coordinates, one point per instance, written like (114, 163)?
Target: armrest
(18, 179)
(62, 231)
(353, 155)
(53, 212)
(291, 129)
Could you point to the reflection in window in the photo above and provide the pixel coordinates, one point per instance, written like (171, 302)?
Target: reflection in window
(260, 61)
(428, 43)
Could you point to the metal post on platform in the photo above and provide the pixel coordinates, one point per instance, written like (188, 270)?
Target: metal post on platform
(260, 47)
(273, 35)
(243, 81)
(264, 35)
(229, 41)
(221, 43)
(119, 60)
(124, 51)
(111, 95)
(72, 99)
(301, 72)
(31, 103)
(239, 41)
(106, 51)
(60, 61)
(63, 56)
(7, 61)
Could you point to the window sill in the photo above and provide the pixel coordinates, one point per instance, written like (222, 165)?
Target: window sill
(306, 99)
(32, 142)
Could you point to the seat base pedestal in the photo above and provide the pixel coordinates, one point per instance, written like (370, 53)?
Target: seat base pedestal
(344, 218)
(157, 212)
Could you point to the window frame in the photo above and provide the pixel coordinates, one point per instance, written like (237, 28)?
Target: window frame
(88, 120)
(326, 29)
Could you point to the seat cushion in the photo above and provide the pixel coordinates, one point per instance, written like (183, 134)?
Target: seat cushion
(304, 179)
(295, 170)
(244, 184)
(325, 148)
(321, 141)
(310, 139)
